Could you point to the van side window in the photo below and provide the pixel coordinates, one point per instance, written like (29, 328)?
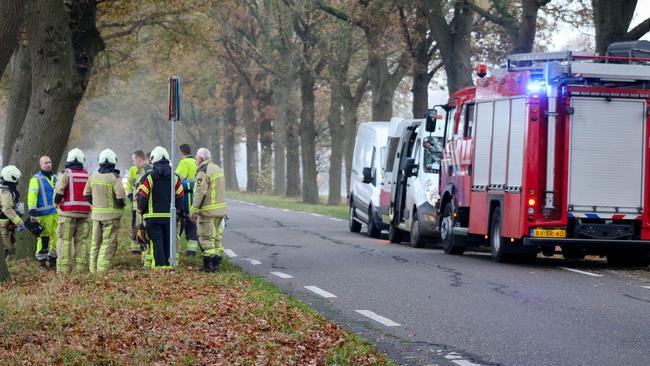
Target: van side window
(451, 124)
(469, 120)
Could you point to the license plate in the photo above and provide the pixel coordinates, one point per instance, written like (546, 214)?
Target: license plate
(549, 233)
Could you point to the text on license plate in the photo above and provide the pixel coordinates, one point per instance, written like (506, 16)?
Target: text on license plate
(549, 233)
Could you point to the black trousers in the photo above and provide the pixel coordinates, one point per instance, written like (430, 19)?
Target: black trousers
(159, 237)
(190, 229)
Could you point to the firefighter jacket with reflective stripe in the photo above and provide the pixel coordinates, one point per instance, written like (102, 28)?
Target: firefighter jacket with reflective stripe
(137, 181)
(41, 194)
(71, 183)
(8, 206)
(209, 191)
(154, 197)
(106, 189)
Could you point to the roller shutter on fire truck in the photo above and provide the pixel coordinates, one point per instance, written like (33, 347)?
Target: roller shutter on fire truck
(606, 155)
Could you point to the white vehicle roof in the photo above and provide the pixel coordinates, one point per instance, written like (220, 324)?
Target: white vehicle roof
(380, 130)
(398, 125)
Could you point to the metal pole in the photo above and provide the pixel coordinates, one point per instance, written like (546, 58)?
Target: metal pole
(172, 210)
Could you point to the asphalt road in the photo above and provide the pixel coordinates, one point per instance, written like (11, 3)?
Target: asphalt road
(423, 307)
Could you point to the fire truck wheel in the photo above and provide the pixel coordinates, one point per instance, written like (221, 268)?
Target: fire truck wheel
(374, 230)
(497, 243)
(354, 225)
(417, 239)
(447, 237)
(627, 259)
(394, 234)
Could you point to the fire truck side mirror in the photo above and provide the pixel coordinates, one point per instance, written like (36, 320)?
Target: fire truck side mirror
(430, 120)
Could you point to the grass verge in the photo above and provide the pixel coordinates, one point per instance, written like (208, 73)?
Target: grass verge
(295, 204)
(129, 316)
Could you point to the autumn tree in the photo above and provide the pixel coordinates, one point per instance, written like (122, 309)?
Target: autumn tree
(612, 20)
(12, 14)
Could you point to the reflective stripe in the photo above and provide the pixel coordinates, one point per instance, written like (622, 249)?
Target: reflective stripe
(156, 215)
(72, 203)
(44, 208)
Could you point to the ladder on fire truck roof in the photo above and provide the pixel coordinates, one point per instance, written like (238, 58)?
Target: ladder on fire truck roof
(582, 65)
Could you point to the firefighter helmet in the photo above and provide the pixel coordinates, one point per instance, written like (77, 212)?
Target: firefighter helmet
(107, 157)
(76, 155)
(10, 174)
(159, 153)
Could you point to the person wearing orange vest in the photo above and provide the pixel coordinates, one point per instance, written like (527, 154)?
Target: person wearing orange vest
(74, 221)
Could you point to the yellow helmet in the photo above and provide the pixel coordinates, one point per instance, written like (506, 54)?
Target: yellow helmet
(10, 174)
(76, 154)
(159, 153)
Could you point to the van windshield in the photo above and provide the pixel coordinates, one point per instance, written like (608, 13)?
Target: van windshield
(432, 147)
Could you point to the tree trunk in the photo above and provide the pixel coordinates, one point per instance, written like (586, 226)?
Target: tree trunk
(525, 37)
(420, 85)
(21, 90)
(266, 115)
(12, 15)
(281, 94)
(453, 41)
(308, 138)
(215, 140)
(252, 134)
(382, 92)
(63, 47)
(229, 140)
(337, 143)
(350, 131)
(611, 19)
(293, 151)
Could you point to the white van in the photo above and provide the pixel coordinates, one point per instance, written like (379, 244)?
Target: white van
(367, 177)
(410, 188)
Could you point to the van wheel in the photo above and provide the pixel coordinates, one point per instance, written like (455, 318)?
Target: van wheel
(447, 237)
(497, 243)
(353, 224)
(394, 234)
(417, 239)
(374, 230)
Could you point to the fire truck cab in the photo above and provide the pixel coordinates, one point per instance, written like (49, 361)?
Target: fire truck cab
(550, 151)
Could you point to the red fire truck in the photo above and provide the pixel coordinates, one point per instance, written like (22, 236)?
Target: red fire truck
(550, 152)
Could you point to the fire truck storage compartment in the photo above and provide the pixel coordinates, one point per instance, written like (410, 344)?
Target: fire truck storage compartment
(607, 155)
(500, 135)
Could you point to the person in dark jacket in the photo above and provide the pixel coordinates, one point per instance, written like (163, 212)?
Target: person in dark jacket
(154, 201)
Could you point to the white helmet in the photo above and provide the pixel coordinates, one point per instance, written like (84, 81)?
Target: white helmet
(107, 157)
(159, 153)
(10, 174)
(76, 154)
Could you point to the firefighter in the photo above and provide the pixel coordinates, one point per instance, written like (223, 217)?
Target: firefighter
(141, 161)
(140, 167)
(106, 194)
(209, 208)
(154, 200)
(10, 210)
(74, 211)
(186, 169)
(131, 179)
(40, 200)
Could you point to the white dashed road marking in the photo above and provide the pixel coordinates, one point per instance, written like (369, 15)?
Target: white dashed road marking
(230, 253)
(253, 261)
(581, 272)
(378, 318)
(281, 275)
(285, 210)
(320, 291)
(465, 363)
(648, 287)
(316, 215)
(335, 219)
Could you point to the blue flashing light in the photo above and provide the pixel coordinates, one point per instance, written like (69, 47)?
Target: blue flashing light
(536, 86)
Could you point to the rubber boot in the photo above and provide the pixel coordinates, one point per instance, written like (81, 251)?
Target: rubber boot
(216, 263)
(42, 267)
(52, 264)
(207, 265)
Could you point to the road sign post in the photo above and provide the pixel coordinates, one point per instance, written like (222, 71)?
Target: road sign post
(174, 111)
